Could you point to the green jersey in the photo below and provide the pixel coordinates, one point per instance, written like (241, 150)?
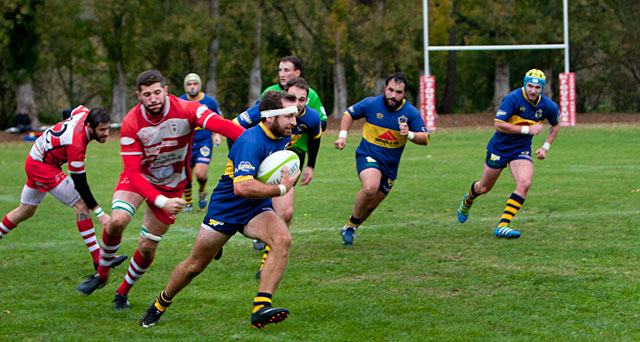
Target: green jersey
(313, 101)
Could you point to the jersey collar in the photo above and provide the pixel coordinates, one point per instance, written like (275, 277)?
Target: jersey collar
(199, 97)
(267, 131)
(524, 93)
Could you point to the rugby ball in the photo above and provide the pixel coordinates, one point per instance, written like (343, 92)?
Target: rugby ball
(270, 169)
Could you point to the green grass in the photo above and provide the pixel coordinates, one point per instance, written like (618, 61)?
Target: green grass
(414, 273)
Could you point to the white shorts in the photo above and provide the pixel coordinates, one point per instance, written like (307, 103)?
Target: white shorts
(65, 192)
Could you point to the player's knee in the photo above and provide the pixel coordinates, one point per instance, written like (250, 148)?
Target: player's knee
(118, 222)
(370, 190)
(524, 185)
(281, 241)
(287, 215)
(147, 248)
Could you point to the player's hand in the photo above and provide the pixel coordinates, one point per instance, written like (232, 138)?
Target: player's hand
(216, 139)
(104, 220)
(174, 205)
(404, 129)
(541, 153)
(307, 175)
(340, 143)
(535, 129)
(287, 181)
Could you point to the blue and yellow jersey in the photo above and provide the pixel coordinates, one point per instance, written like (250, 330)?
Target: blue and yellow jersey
(246, 154)
(307, 122)
(201, 135)
(381, 139)
(518, 110)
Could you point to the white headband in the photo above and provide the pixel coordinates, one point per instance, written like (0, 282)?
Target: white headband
(281, 111)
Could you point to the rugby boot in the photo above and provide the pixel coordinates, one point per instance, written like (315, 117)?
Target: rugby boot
(268, 314)
(348, 234)
(202, 200)
(151, 317)
(506, 232)
(119, 259)
(91, 284)
(121, 302)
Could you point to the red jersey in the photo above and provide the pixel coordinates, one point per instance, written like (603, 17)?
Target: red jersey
(154, 148)
(64, 142)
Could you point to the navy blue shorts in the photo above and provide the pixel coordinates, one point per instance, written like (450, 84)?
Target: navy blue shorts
(366, 162)
(500, 161)
(229, 228)
(201, 154)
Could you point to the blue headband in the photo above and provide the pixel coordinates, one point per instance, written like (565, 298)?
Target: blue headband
(534, 80)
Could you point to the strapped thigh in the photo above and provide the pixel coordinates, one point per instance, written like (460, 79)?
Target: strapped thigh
(124, 206)
(145, 234)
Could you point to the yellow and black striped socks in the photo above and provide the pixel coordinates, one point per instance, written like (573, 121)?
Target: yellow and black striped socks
(514, 203)
(472, 195)
(163, 302)
(261, 300)
(188, 197)
(203, 185)
(354, 222)
(267, 249)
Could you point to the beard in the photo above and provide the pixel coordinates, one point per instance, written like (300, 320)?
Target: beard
(388, 105)
(280, 130)
(155, 112)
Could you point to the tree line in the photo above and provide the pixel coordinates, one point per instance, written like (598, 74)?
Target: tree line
(58, 54)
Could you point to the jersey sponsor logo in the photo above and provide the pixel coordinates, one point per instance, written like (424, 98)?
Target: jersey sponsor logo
(522, 109)
(161, 172)
(155, 150)
(387, 138)
(379, 116)
(126, 141)
(501, 113)
(246, 117)
(244, 166)
(302, 127)
(170, 157)
(201, 110)
(204, 150)
(402, 119)
(538, 113)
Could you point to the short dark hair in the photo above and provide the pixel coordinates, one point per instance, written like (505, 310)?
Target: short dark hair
(289, 97)
(298, 82)
(398, 77)
(149, 77)
(66, 113)
(271, 100)
(297, 63)
(97, 116)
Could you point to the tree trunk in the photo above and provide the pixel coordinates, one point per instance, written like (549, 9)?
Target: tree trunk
(214, 45)
(255, 80)
(380, 65)
(26, 102)
(119, 96)
(448, 96)
(339, 82)
(548, 89)
(501, 85)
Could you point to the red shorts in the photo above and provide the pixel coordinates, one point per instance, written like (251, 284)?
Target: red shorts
(43, 176)
(125, 185)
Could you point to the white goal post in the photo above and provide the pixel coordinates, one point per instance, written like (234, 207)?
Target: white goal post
(566, 84)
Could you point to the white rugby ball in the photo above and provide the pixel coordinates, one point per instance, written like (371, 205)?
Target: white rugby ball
(270, 169)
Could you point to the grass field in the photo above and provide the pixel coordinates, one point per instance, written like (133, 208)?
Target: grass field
(414, 273)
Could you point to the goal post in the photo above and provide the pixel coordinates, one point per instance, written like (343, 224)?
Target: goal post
(566, 80)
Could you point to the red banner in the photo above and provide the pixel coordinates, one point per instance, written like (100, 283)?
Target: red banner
(428, 101)
(568, 99)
